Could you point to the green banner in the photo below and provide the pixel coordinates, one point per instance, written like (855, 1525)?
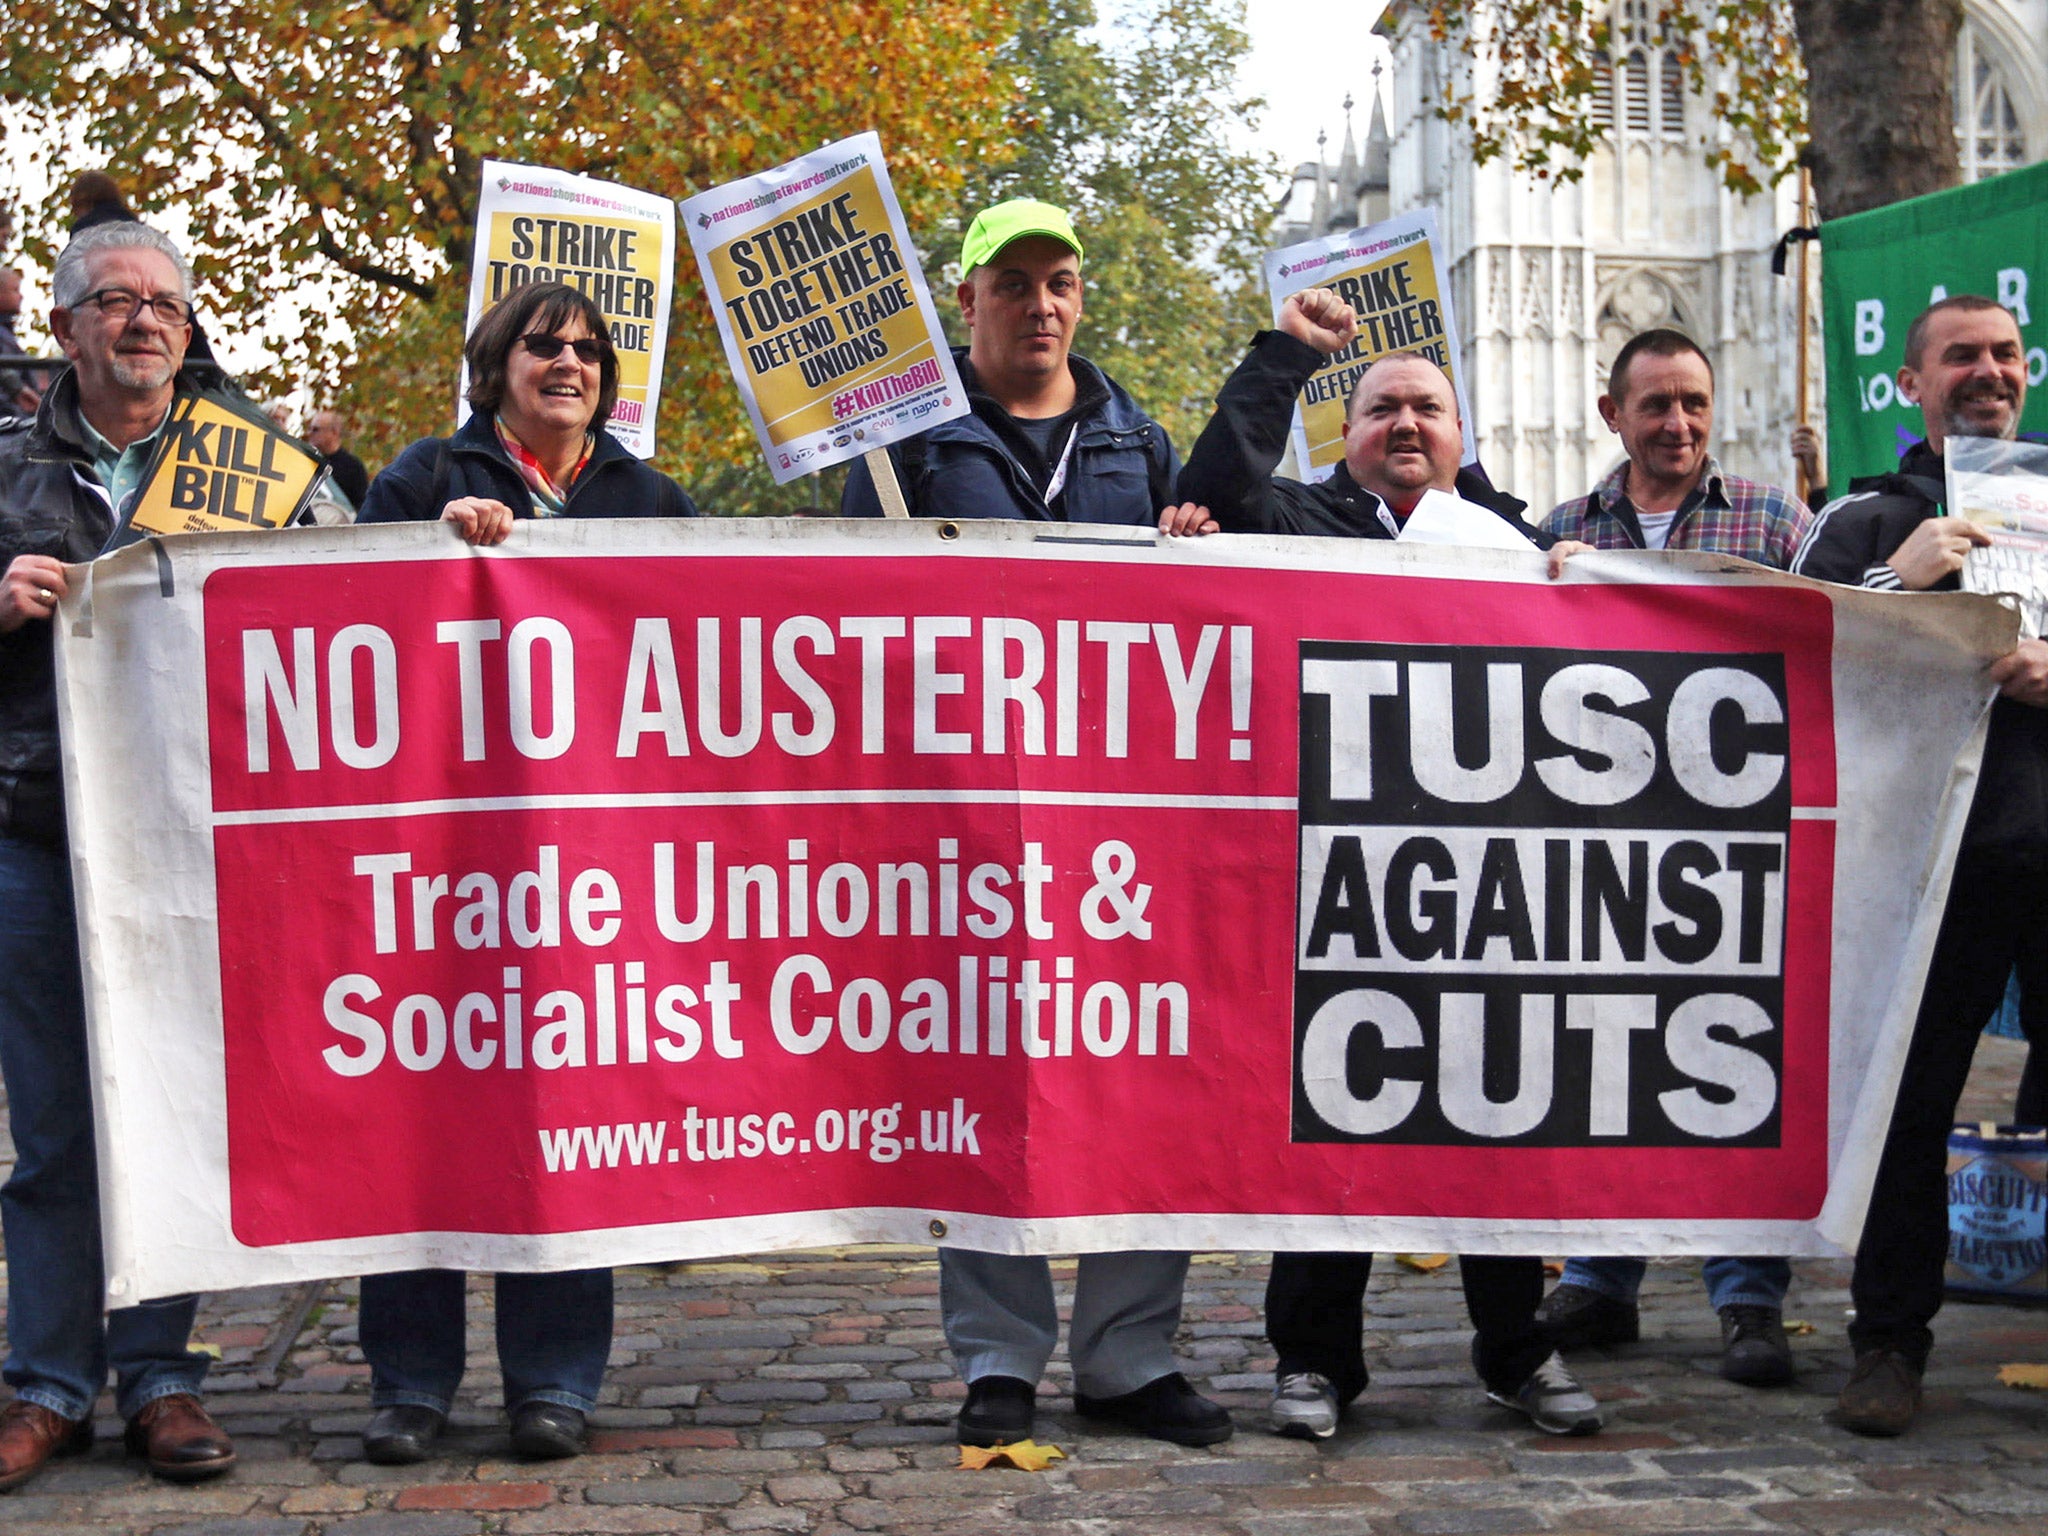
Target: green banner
(1880, 269)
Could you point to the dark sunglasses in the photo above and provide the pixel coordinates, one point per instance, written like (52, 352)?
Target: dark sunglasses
(589, 349)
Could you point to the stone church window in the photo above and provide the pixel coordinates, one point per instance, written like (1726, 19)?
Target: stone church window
(1671, 96)
(1635, 92)
(1988, 131)
(1601, 106)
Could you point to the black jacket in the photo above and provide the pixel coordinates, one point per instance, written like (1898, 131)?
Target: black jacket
(1231, 468)
(350, 478)
(1121, 469)
(1849, 542)
(434, 471)
(51, 504)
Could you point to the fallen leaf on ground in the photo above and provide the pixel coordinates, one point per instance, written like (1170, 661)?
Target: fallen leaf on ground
(201, 1347)
(2033, 1377)
(1423, 1263)
(1025, 1456)
(1798, 1327)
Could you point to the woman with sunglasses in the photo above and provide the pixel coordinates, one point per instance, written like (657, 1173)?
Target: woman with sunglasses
(543, 377)
(542, 382)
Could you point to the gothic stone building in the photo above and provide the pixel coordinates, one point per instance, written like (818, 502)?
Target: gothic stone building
(1549, 279)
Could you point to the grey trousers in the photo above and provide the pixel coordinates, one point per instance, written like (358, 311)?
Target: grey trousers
(1000, 1318)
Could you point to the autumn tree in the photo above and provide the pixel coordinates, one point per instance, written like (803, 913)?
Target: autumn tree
(1128, 131)
(343, 141)
(1860, 88)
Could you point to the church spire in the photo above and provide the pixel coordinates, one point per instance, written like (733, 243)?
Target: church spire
(1319, 211)
(1347, 164)
(1379, 141)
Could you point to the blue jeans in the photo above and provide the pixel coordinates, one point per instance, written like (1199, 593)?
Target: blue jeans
(554, 1334)
(1001, 1319)
(60, 1343)
(1730, 1282)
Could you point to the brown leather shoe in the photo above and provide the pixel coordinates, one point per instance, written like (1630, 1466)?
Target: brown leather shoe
(31, 1434)
(1882, 1394)
(180, 1439)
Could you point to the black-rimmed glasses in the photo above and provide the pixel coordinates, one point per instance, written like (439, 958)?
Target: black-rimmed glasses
(589, 349)
(122, 303)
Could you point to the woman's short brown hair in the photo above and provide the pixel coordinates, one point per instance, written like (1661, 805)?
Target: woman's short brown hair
(542, 309)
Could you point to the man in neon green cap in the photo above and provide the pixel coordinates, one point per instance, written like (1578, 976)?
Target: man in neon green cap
(1051, 438)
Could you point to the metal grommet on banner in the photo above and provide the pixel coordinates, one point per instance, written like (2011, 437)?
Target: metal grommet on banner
(949, 530)
(936, 1227)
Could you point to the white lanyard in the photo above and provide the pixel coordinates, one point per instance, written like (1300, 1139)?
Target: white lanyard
(1058, 481)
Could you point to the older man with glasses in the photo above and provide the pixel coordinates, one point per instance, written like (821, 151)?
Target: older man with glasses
(123, 316)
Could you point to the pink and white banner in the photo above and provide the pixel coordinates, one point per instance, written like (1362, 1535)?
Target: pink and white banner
(647, 890)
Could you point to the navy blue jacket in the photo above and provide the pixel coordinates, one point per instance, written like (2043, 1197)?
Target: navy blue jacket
(613, 483)
(1121, 469)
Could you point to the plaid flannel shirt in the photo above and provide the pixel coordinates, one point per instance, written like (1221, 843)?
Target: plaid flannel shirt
(1725, 514)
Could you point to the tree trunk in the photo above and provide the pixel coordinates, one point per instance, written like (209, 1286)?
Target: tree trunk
(1880, 99)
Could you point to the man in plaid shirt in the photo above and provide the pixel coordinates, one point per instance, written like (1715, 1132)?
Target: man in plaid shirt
(1670, 493)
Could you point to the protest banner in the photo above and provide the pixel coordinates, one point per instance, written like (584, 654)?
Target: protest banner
(614, 243)
(828, 326)
(1880, 269)
(670, 889)
(222, 465)
(1389, 274)
(2003, 487)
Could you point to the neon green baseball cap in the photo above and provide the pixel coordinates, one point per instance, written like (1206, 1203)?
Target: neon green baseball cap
(994, 228)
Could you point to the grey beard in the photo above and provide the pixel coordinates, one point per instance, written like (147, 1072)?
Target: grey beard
(142, 372)
(1957, 426)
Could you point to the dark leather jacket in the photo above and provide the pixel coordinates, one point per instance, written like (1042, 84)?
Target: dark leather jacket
(50, 504)
(1849, 542)
(1230, 469)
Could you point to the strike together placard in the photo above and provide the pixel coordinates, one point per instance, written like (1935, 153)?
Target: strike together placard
(673, 890)
(1390, 275)
(616, 244)
(827, 323)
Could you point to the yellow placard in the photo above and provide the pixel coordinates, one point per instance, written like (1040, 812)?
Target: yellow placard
(221, 470)
(1399, 310)
(618, 262)
(818, 303)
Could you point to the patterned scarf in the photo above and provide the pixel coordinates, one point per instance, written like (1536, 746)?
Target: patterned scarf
(548, 498)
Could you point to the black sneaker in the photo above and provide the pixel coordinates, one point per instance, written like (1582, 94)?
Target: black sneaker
(1754, 1349)
(1166, 1409)
(998, 1411)
(1579, 1317)
(1553, 1400)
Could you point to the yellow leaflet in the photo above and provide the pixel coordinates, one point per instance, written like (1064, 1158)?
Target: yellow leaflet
(1025, 1456)
(1423, 1263)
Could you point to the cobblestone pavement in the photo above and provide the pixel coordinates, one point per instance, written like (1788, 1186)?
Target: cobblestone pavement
(811, 1392)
